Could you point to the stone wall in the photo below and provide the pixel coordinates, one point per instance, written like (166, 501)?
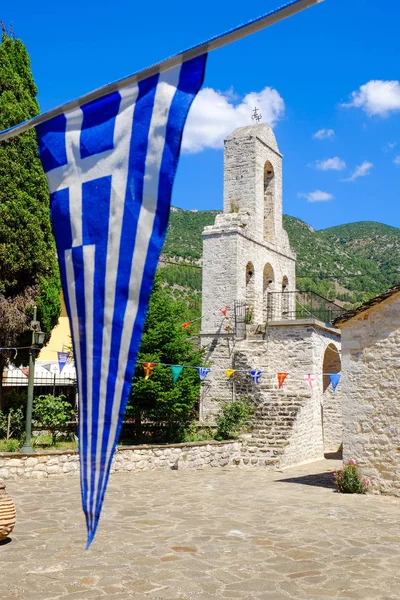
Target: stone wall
(197, 455)
(371, 392)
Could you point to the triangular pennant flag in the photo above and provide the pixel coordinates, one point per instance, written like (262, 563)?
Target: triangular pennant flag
(25, 371)
(230, 372)
(223, 310)
(176, 371)
(281, 379)
(203, 372)
(148, 369)
(47, 367)
(186, 325)
(308, 379)
(256, 374)
(62, 359)
(335, 378)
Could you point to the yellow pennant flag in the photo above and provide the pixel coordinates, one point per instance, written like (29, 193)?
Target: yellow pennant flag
(230, 372)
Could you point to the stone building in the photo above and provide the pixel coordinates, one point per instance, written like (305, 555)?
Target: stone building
(253, 317)
(371, 388)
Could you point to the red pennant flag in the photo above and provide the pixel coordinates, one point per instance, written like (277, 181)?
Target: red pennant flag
(223, 310)
(25, 371)
(186, 325)
(309, 379)
(148, 369)
(281, 379)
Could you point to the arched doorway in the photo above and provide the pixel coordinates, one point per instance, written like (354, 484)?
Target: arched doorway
(269, 202)
(250, 292)
(332, 420)
(268, 296)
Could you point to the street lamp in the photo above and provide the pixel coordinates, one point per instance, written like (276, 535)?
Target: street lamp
(36, 344)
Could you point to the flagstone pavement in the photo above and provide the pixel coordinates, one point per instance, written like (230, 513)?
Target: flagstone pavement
(201, 535)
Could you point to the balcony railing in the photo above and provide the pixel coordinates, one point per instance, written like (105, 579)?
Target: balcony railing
(293, 306)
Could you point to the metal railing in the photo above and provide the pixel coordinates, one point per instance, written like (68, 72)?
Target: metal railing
(296, 305)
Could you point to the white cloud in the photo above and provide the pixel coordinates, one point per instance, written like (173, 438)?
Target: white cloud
(377, 97)
(324, 134)
(330, 164)
(317, 196)
(389, 146)
(214, 115)
(396, 161)
(360, 171)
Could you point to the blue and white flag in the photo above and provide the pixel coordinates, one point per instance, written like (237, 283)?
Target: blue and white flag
(62, 359)
(203, 372)
(110, 165)
(256, 374)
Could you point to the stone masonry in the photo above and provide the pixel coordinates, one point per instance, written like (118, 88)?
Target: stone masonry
(199, 455)
(247, 261)
(371, 383)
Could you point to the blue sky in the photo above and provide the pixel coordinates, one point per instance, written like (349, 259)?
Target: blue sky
(340, 52)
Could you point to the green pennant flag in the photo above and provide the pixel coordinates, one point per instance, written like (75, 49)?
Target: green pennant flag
(176, 371)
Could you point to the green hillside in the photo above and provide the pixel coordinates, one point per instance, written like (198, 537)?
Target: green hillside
(348, 263)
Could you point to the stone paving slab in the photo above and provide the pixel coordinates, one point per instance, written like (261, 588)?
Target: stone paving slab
(201, 535)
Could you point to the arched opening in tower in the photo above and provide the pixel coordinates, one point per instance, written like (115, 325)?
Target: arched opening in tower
(332, 426)
(268, 295)
(250, 292)
(269, 202)
(285, 298)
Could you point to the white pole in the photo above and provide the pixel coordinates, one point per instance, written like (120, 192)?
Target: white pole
(217, 42)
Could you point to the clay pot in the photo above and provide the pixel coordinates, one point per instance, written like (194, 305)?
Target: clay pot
(7, 513)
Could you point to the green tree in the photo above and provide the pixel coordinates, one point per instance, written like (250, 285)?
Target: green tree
(28, 267)
(52, 413)
(164, 341)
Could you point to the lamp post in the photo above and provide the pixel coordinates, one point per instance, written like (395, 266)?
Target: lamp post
(37, 342)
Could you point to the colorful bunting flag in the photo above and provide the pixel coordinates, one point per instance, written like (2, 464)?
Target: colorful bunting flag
(47, 367)
(308, 379)
(203, 372)
(281, 379)
(62, 359)
(186, 325)
(223, 310)
(256, 374)
(335, 378)
(230, 372)
(25, 371)
(148, 369)
(176, 371)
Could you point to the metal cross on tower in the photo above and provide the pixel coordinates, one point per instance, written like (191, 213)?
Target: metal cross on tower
(256, 115)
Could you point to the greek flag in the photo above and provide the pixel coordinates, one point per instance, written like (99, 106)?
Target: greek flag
(110, 165)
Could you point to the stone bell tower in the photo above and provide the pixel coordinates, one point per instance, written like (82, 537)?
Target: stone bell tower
(246, 253)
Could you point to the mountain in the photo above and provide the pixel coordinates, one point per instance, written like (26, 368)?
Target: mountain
(348, 263)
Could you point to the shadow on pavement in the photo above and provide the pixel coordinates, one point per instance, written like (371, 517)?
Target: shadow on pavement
(7, 540)
(317, 479)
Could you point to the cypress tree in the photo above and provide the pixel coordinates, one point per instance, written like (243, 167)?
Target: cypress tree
(28, 266)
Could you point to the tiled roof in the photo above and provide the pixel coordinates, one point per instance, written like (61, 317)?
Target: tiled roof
(367, 305)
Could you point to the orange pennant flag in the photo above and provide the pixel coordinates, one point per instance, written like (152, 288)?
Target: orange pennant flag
(148, 369)
(281, 379)
(186, 325)
(230, 372)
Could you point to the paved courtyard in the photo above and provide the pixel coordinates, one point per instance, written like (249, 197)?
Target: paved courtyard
(201, 535)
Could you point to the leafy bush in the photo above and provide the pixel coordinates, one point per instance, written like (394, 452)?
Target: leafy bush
(52, 413)
(10, 445)
(17, 423)
(234, 416)
(349, 480)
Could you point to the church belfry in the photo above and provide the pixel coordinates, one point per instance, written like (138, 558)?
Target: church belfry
(246, 253)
